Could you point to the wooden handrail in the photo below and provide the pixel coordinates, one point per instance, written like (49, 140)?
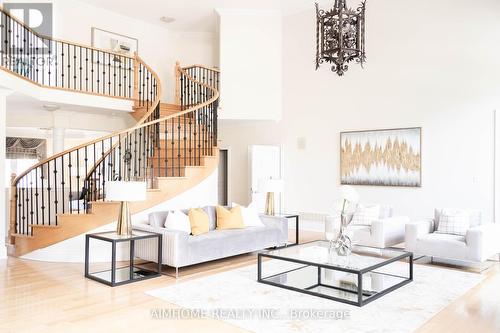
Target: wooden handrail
(63, 65)
(139, 152)
(131, 129)
(215, 69)
(62, 40)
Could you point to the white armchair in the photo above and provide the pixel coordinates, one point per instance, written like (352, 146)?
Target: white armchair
(481, 241)
(386, 231)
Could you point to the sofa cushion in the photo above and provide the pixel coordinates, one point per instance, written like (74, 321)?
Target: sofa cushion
(177, 220)
(212, 219)
(157, 219)
(360, 234)
(250, 215)
(365, 214)
(475, 216)
(223, 243)
(229, 219)
(442, 245)
(199, 221)
(453, 222)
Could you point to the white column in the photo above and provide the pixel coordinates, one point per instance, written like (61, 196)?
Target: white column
(4, 187)
(58, 134)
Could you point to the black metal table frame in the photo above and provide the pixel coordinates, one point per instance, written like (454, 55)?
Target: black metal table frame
(296, 217)
(291, 216)
(113, 242)
(360, 302)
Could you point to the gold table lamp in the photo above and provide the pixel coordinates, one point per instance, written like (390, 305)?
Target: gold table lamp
(270, 186)
(124, 192)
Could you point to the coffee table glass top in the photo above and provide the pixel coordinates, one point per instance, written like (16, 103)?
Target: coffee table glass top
(362, 258)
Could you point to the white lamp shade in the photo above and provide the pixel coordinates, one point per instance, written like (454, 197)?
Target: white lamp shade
(271, 185)
(125, 191)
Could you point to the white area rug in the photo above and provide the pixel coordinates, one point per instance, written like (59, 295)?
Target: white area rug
(403, 310)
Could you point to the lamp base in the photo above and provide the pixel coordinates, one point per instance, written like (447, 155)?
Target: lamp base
(124, 225)
(269, 203)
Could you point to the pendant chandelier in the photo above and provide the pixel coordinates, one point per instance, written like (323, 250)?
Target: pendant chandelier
(340, 36)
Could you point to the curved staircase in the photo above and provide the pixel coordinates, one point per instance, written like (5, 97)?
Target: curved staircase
(172, 147)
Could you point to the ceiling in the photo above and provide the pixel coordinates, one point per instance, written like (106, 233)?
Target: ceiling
(194, 15)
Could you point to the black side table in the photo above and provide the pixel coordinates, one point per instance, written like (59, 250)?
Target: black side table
(296, 218)
(122, 275)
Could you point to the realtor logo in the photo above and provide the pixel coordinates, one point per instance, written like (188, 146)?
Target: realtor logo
(36, 16)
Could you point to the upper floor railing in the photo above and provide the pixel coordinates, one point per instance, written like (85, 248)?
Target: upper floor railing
(67, 65)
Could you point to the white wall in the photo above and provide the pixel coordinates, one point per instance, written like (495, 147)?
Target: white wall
(72, 250)
(430, 64)
(250, 63)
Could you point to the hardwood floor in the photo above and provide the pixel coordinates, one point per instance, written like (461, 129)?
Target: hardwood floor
(55, 297)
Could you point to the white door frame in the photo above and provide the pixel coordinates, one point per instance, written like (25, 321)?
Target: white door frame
(228, 170)
(281, 175)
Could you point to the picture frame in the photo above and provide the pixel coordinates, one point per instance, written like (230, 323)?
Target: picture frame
(381, 157)
(114, 42)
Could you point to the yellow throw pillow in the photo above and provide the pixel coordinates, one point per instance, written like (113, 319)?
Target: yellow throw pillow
(229, 219)
(198, 220)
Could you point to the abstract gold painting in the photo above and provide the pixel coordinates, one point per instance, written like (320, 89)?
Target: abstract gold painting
(389, 157)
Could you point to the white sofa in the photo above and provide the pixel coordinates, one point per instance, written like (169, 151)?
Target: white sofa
(482, 240)
(388, 230)
(181, 249)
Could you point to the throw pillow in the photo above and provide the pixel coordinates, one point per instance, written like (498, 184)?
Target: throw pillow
(365, 214)
(453, 222)
(210, 210)
(199, 221)
(250, 215)
(177, 220)
(229, 219)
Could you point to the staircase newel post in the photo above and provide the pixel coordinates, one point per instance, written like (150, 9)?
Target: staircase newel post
(13, 216)
(136, 79)
(177, 83)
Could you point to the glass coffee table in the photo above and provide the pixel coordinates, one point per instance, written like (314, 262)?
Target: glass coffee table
(357, 279)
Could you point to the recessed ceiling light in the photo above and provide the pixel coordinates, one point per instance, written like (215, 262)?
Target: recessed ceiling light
(167, 19)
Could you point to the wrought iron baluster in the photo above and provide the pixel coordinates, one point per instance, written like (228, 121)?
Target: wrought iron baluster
(36, 196)
(49, 188)
(109, 73)
(69, 65)
(74, 66)
(86, 69)
(31, 198)
(97, 71)
(78, 185)
(70, 165)
(63, 184)
(42, 187)
(103, 172)
(56, 201)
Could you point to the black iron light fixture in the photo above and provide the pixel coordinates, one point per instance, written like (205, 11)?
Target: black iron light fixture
(340, 36)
